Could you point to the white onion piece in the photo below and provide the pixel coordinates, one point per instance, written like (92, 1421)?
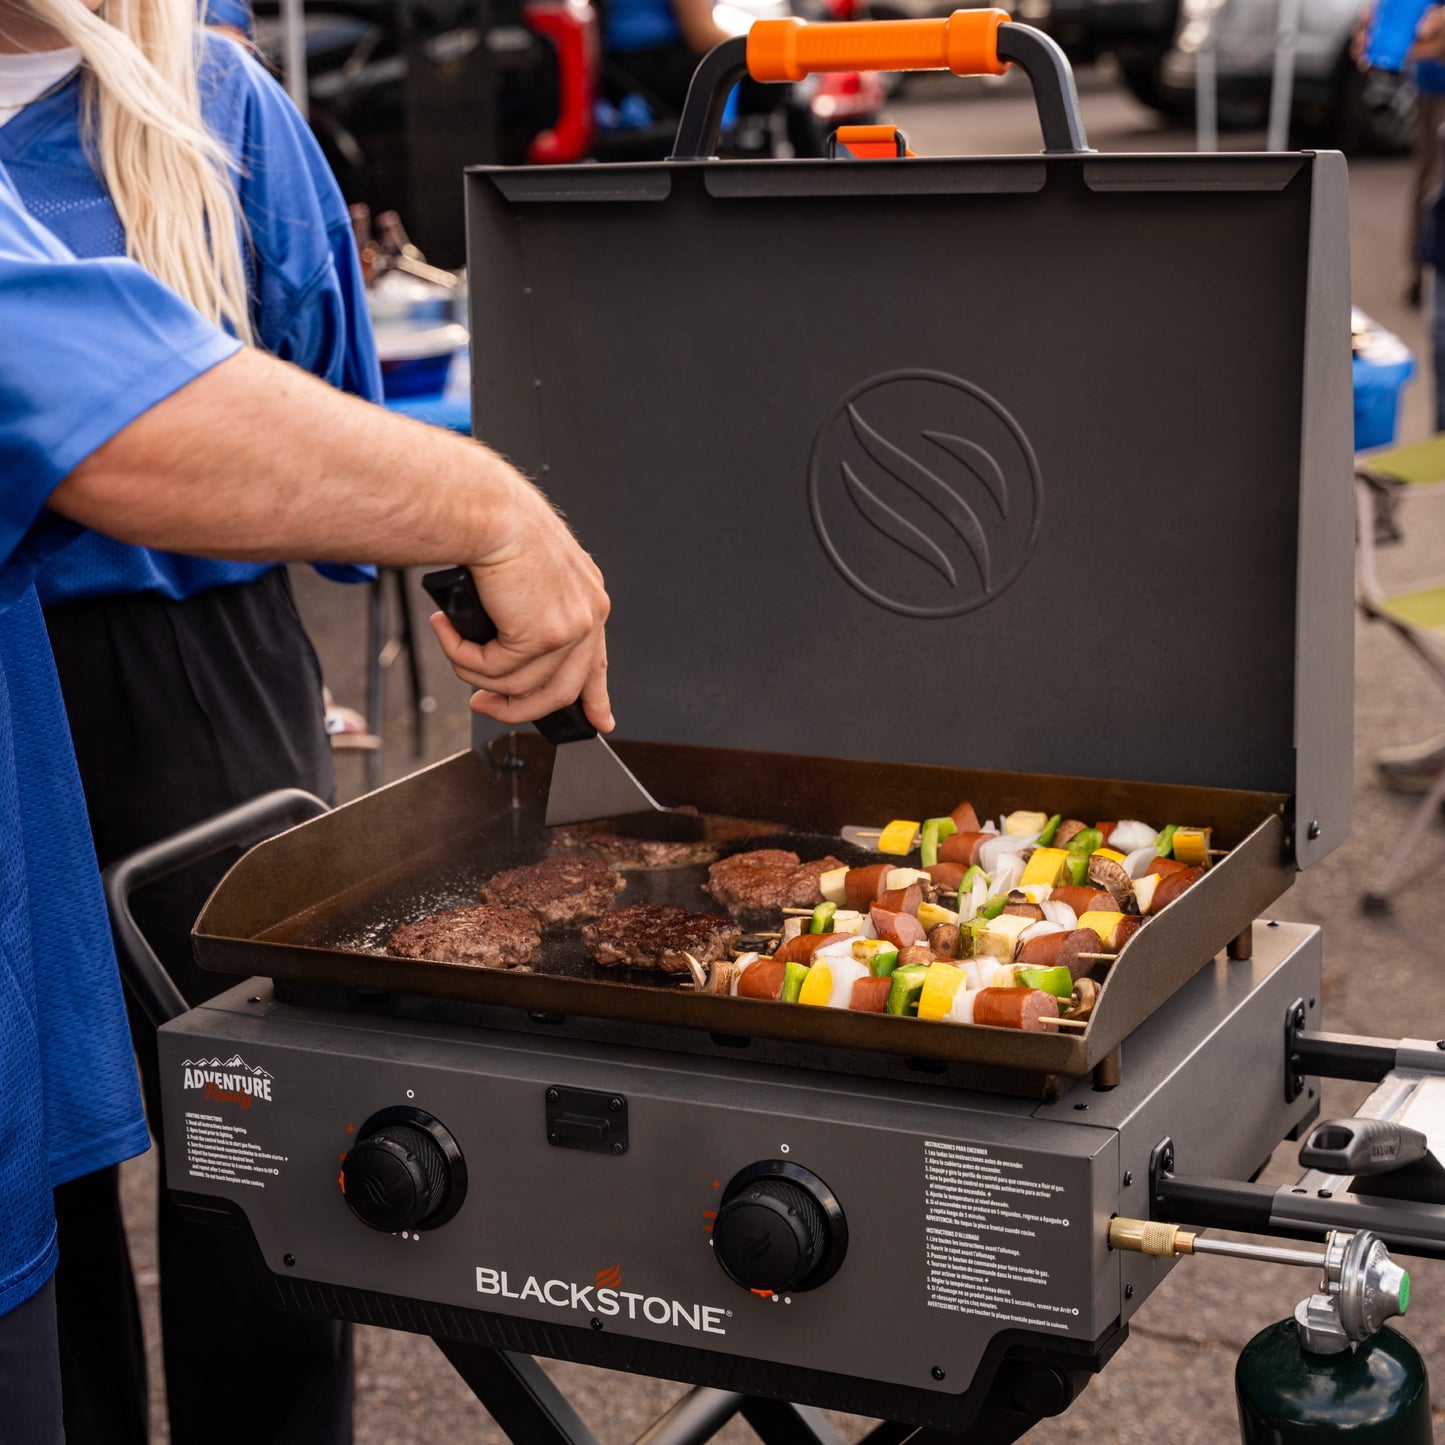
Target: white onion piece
(792, 927)
(839, 948)
(1007, 875)
(869, 930)
(979, 896)
(845, 920)
(1131, 834)
(1058, 912)
(1137, 862)
(988, 826)
(846, 972)
(973, 971)
(1036, 892)
(1000, 844)
(961, 1010)
(1040, 930)
(743, 963)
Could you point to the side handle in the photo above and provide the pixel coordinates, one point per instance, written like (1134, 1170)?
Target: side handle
(142, 971)
(968, 42)
(1361, 1147)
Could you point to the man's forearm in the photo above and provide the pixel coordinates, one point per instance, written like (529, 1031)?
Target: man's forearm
(257, 460)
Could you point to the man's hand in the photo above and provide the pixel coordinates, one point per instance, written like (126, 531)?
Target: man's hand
(1430, 36)
(547, 599)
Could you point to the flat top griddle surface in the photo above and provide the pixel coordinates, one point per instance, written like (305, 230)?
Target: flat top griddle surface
(454, 883)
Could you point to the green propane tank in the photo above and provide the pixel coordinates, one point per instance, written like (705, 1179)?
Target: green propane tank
(1375, 1393)
(1333, 1372)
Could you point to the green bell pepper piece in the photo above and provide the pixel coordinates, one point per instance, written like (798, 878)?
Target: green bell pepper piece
(882, 964)
(993, 907)
(1078, 870)
(907, 985)
(1057, 981)
(1086, 842)
(793, 976)
(934, 831)
(1164, 843)
(822, 917)
(1046, 838)
(965, 888)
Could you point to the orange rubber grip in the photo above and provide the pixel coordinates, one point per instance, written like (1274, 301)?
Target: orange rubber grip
(965, 43)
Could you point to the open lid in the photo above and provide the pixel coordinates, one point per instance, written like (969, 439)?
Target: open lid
(1031, 463)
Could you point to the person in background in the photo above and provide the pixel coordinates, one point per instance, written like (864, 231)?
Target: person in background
(126, 412)
(1429, 152)
(190, 684)
(653, 46)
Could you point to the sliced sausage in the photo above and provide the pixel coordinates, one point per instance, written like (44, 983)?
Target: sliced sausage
(1166, 866)
(1082, 898)
(870, 995)
(1079, 941)
(1025, 910)
(1172, 885)
(1030, 1009)
(898, 928)
(948, 875)
(1127, 927)
(862, 885)
(962, 848)
(943, 940)
(965, 819)
(1066, 830)
(802, 948)
(901, 900)
(763, 979)
(1043, 951)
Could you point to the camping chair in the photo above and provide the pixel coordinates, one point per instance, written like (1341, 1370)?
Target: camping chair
(1417, 616)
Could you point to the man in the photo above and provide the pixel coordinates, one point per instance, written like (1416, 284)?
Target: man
(121, 410)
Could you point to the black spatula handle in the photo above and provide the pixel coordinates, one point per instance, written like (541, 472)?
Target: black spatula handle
(454, 591)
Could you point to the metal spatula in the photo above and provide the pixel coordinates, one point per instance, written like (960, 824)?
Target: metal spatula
(589, 780)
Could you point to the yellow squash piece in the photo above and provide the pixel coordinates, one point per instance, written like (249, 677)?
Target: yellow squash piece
(1023, 824)
(818, 986)
(898, 837)
(1113, 853)
(1047, 865)
(1104, 924)
(930, 914)
(942, 983)
(1191, 845)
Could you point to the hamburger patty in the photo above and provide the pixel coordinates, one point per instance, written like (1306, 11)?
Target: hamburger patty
(484, 935)
(560, 892)
(629, 854)
(656, 935)
(754, 886)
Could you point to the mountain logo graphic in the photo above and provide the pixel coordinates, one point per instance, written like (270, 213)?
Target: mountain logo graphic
(231, 1081)
(925, 493)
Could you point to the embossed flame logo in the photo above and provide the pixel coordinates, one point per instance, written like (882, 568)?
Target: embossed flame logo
(608, 1278)
(925, 493)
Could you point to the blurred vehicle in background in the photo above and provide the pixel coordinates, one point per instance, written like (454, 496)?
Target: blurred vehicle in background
(1137, 33)
(1359, 111)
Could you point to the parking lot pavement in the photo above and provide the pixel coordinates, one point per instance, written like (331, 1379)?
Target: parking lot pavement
(1172, 1381)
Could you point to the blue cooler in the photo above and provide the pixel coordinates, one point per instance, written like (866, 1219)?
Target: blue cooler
(1382, 366)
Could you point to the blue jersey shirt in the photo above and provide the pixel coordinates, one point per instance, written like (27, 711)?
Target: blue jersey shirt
(308, 295)
(629, 25)
(89, 346)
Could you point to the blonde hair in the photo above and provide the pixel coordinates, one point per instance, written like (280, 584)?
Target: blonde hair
(168, 176)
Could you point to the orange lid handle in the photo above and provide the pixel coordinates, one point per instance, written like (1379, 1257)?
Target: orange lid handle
(965, 43)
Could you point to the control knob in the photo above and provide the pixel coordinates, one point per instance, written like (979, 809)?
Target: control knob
(779, 1227)
(404, 1171)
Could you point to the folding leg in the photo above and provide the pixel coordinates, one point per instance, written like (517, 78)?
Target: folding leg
(1388, 877)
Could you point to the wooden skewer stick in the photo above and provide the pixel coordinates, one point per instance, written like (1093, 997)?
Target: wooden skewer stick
(1097, 957)
(1071, 1023)
(799, 912)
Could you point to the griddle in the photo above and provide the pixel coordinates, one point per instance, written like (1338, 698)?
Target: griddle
(316, 904)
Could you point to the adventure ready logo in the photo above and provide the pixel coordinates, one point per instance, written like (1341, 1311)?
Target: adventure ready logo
(234, 1082)
(605, 1297)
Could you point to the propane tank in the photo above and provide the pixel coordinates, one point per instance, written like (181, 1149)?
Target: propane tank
(1332, 1373)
